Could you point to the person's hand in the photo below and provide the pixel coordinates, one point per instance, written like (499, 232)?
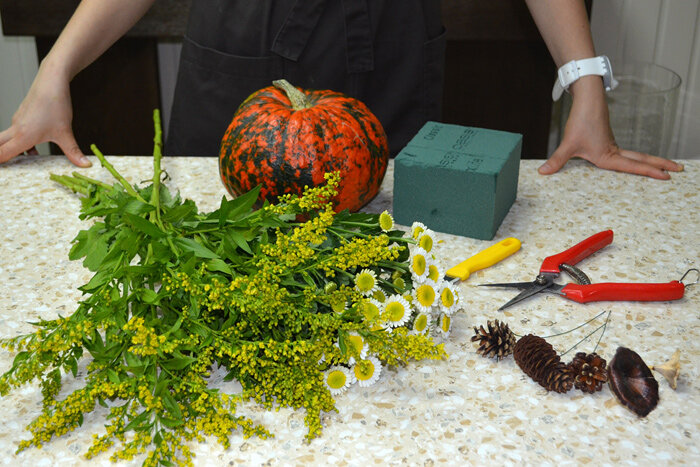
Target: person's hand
(44, 115)
(588, 135)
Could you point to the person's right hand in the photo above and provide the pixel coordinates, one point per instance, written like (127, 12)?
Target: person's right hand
(44, 115)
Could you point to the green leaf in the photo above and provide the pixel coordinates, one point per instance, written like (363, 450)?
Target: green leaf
(144, 225)
(148, 296)
(113, 376)
(98, 280)
(180, 212)
(136, 207)
(219, 265)
(178, 362)
(189, 245)
(170, 423)
(239, 240)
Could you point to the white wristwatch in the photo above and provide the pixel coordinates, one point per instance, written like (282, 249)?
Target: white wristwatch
(575, 69)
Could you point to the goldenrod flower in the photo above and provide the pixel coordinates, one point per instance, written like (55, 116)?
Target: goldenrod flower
(386, 222)
(337, 379)
(367, 371)
(357, 346)
(366, 282)
(417, 228)
(424, 296)
(396, 311)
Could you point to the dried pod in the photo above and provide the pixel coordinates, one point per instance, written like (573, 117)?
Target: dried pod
(497, 342)
(671, 369)
(632, 382)
(589, 372)
(538, 359)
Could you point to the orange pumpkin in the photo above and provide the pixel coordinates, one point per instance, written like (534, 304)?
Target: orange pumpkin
(285, 138)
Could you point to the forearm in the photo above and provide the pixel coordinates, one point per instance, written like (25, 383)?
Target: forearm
(93, 28)
(566, 31)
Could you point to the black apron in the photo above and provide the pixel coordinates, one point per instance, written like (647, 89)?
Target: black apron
(387, 53)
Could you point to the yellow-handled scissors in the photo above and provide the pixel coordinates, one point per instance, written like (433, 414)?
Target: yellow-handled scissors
(484, 259)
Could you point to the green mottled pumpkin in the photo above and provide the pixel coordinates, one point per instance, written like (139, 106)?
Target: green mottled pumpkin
(285, 138)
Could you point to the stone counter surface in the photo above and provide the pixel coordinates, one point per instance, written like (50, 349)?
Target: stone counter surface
(466, 409)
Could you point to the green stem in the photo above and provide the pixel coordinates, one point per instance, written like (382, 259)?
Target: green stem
(70, 183)
(91, 181)
(296, 97)
(129, 189)
(157, 155)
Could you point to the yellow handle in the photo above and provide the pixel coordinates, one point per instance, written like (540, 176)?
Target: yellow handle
(486, 258)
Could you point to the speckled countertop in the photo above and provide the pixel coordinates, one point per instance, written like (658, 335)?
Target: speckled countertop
(464, 410)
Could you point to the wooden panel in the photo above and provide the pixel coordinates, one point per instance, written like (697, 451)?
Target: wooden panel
(488, 20)
(114, 98)
(502, 85)
(19, 17)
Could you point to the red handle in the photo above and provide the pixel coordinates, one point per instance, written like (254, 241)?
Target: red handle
(577, 252)
(611, 291)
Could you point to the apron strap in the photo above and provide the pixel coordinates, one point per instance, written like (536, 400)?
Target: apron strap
(302, 19)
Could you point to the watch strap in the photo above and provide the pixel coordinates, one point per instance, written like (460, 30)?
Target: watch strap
(575, 69)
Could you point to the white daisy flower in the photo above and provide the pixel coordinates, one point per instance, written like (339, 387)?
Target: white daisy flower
(419, 264)
(435, 273)
(444, 325)
(448, 299)
(386, 222)
(417, 228)
(396, 311)
(426, 240)
(421, 325)
(366, 282)
(425, 296)
(367, 371)
(371, 309)
(338, 379)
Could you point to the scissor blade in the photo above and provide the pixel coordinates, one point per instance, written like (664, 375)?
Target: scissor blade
(535, 288)
(512, 285)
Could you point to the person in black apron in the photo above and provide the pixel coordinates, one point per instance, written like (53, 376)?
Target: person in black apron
(389, 54)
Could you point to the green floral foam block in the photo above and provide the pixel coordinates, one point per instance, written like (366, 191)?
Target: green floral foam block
(456, 179)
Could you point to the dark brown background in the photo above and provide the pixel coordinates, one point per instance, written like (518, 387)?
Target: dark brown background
(498, 72)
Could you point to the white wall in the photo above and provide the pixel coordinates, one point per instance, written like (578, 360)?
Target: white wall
(663, 32)
(18, 65)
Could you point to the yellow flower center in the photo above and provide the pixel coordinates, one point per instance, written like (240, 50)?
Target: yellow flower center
(336, 379)
(445, 323)
(418, 264)
(370, 311)
(385, 221)
(356, 343)
(425, 295)
(395, 311)
(433, 273)
(421, 323)
(379, 296)
(364, 282)
(447, 297)
(426, 242)
(364, 370)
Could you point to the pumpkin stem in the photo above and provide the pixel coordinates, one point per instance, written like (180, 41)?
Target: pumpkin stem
(296, 97)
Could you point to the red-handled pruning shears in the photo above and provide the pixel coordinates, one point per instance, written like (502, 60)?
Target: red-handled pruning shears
(583, 291)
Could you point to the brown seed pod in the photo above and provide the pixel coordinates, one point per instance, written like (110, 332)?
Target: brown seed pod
(632, 382)
(538, 359)
(589, 372)
(498, 341)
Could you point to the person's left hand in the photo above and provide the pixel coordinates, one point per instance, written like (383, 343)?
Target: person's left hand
(588, 135)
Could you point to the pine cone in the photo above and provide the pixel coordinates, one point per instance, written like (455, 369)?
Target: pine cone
(589, 372)
(538, 359)
(497, 342)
